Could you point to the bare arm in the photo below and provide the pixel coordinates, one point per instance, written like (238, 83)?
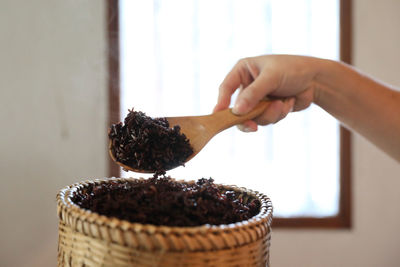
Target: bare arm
(361, 103)
(364, 105)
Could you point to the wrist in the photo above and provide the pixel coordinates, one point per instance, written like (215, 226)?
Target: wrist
(325, 77)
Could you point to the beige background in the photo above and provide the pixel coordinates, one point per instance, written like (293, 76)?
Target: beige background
(53, 115)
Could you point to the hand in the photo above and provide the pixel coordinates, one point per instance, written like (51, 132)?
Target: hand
(289, 78)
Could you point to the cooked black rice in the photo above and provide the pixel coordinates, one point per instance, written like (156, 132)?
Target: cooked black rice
(163, 201)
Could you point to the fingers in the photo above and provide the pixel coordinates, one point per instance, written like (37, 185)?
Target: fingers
(228, 86)
(274, 113)
(265, 83)
(248, 126)
(303, 100)
(242, 75)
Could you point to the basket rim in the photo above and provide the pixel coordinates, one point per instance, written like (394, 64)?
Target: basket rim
(66, 206)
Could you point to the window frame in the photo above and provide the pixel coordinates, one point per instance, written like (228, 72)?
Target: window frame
(343, 219)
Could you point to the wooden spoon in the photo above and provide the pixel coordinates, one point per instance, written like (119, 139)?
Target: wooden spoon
(200, 129)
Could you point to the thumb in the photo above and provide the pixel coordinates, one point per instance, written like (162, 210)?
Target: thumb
(257, 90)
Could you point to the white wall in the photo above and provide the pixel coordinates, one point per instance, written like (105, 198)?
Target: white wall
(375, 237)
(53, 117)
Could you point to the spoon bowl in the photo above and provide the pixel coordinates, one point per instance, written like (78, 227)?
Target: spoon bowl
(201, 129)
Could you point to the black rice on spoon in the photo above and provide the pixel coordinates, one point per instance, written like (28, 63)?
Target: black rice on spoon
(148, 144)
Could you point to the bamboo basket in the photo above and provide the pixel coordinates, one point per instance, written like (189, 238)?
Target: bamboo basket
(89, 239)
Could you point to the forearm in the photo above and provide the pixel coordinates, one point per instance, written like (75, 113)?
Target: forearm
(361, 103)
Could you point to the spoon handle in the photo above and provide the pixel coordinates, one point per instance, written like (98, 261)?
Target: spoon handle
(226, 118)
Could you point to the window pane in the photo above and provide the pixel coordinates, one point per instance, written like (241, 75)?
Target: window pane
(174, 55)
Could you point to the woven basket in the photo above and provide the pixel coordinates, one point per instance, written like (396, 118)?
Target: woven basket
(89, 239)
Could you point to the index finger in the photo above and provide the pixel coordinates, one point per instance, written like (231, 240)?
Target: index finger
(228, 86)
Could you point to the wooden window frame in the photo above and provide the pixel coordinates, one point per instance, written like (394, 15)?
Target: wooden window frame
(343, 219)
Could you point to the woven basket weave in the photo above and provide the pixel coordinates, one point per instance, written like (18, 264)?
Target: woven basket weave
(89, 239)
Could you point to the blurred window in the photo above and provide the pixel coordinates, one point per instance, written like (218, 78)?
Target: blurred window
(173, 56)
